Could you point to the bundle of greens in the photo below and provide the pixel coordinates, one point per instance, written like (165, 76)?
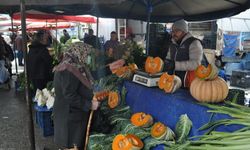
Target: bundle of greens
(237, 140)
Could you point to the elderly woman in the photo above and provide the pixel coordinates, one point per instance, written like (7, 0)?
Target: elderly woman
(74, 96)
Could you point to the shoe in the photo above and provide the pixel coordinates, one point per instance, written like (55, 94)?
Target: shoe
(21, 64)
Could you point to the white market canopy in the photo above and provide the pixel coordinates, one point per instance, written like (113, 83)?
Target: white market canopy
(237, 23)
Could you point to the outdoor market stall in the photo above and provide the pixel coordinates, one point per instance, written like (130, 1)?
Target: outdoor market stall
(146, 7)
(167, 108)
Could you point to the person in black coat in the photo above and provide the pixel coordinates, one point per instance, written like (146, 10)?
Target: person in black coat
(39, 62)
(92, 40)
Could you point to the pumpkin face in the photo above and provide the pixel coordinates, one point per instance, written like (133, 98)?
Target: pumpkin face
(153, 65)
(141, 119)
(113, 99)
(206, 73)
(169, 83)
(128, 142)
(209, 91)
(161, 132)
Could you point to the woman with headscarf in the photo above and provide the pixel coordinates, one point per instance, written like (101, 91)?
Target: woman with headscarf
(74, 95)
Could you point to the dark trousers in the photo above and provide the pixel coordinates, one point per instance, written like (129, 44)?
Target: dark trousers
(20, 57)
(39, 84)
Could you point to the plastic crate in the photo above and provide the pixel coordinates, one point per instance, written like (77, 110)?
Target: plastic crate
(44, 120)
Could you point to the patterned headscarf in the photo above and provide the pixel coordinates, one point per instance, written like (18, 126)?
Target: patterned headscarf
(75, 60)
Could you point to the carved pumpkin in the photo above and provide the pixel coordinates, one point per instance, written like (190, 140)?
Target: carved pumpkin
(128, 142)
(169, 83)
(121, 71)
(206, 73)
(125, 71)
(154, 65)
(113, 99)
(161, 132)
(209, 90)
(133, 67)
(141, 120)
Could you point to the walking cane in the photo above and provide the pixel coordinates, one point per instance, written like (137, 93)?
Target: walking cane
(98, 97)
(88, 129)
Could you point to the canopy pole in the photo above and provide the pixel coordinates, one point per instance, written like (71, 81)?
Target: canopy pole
(149, 11)
(27, 88)
(97, 26)
(56, 28)
(97, 32)
(12, 29)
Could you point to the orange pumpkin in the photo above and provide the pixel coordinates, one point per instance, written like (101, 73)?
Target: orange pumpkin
(128, 142)
(206, 73)
(101, 95)
(209, 90)
(153, 65)
(125, 71)
(113, 99)
(133, 67)
(169, 83)
(161, 132)
(141, 119)
(121, 71)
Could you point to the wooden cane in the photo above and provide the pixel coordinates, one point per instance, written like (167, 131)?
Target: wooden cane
(97, 97)
(88, 129)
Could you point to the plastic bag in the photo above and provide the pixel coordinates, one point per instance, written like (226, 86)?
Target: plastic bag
(4, 74)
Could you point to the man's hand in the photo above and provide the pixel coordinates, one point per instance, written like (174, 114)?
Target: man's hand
(95, 104)
(169, 65)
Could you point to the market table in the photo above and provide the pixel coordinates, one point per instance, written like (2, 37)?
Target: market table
(167, 108)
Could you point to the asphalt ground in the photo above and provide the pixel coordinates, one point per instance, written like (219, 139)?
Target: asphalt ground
(14, 123)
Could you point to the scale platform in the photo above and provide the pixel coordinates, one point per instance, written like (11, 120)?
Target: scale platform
(146, 79)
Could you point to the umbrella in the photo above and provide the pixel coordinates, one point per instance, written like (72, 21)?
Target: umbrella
(238, 23)
(33, 15)
(161, 10)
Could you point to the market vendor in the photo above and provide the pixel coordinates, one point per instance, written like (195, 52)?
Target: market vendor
(185, 53)
(111, 46)
(74, 99)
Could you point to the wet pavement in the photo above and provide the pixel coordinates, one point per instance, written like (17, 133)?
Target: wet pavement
(14, 123)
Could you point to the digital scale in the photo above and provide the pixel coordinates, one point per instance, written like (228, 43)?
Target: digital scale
(146, 79)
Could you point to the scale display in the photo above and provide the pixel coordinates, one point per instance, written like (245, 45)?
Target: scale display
(146, 79)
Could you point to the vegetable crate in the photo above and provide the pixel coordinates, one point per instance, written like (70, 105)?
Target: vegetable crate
(44, 120)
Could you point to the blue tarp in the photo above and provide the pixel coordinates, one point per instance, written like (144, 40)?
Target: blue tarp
(167, 108)
(231, 44)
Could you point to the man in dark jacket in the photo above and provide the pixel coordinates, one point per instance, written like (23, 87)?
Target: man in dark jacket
(185, 53)
(39, 62)
(91, 39)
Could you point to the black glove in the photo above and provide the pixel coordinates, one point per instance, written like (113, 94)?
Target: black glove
(169, 66)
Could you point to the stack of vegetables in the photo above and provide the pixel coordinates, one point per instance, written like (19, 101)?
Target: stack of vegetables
(237, 140)
(46, 96)
(139, 131)
(133, 131)
(207, 86)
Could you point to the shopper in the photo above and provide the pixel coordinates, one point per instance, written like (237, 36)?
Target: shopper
(65, 37)
(39, 62)
(185, 53)
(92, 40)
(74, 95)
(112, 46)
(18, 46)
